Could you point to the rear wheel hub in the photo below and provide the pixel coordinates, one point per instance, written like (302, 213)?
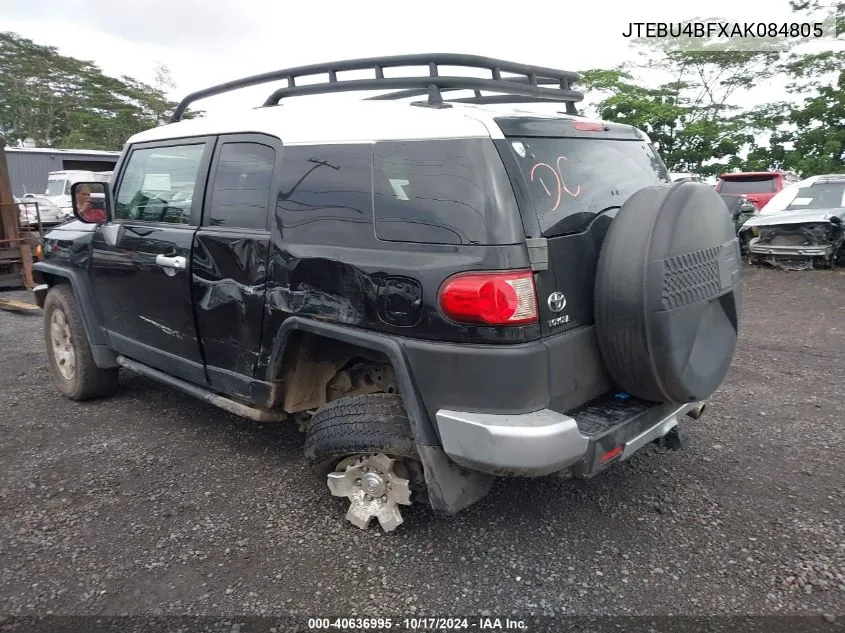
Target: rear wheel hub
(376, 485)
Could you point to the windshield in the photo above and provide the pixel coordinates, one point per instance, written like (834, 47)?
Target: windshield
(748, 184)
(828, 195)
(572, 179)
(56, 187)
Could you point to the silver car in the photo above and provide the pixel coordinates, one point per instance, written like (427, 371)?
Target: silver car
(50, 214)
(801, 225)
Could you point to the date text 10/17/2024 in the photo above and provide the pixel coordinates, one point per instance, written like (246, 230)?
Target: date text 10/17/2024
(482, 623)
(724, 29)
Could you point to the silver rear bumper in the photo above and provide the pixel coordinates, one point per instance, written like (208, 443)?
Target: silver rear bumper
(530, 444)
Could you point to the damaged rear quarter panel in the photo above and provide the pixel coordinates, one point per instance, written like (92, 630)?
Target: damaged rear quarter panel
(347, 286)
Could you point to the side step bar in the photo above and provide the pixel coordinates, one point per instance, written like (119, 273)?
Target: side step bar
(253, 413)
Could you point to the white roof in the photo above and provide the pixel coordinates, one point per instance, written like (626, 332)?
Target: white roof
(55, 150)
(296, 122)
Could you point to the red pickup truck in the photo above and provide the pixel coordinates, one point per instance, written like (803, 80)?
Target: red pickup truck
(757, 186)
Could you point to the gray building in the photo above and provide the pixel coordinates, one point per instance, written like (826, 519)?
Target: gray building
(29, 166)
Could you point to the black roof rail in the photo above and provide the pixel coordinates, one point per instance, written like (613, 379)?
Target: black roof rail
(478, 98)
(528, 85)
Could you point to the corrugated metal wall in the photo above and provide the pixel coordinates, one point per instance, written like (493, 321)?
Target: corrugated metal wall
(28, 170)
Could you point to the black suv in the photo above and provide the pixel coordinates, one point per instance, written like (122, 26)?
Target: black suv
(439, 291)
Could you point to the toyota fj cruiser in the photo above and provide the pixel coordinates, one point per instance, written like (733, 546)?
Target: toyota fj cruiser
(439, 291)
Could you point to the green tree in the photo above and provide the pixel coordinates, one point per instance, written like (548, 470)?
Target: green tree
(61, 101)
(692, 115)
(689, 117)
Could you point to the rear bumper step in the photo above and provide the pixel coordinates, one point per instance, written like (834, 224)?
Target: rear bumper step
(543, 442)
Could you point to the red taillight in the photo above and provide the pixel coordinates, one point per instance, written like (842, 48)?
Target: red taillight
(588, 126)
(611, 454)
(496, 298)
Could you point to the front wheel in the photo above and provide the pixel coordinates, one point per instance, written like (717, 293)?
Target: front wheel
(74, 371)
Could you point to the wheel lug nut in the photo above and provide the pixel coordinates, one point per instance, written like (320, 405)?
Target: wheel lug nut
(358, 482)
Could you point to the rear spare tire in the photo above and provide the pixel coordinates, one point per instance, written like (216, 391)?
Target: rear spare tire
(667, 293)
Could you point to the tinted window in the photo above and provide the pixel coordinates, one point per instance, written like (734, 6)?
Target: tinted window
(572, 179)
(240, 189)
(158, 184)
(765, 184)
(819, 196)
(326, 193)
(443, 192)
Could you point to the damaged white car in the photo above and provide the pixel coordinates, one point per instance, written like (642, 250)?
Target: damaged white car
(801, 226)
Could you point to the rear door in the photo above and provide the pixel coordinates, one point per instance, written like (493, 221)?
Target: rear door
(141, 268)
(230, 257)
(575, 175)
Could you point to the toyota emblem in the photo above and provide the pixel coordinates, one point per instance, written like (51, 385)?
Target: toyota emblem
(557, 301)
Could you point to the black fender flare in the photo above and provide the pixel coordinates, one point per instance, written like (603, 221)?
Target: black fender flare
(103, 355)
(421, 426)
(451, 488)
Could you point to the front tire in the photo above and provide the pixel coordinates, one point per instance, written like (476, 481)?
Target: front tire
(75, 373)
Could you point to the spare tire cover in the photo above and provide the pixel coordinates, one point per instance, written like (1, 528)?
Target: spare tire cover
(667, 293)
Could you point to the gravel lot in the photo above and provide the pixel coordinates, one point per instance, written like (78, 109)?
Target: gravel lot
(154, 503)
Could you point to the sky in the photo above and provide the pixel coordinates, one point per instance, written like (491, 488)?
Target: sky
(204, 42)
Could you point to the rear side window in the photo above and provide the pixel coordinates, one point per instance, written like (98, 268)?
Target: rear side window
(570, 180)
(753, 184)
(326, 194)
(452, 191)
(240, 190)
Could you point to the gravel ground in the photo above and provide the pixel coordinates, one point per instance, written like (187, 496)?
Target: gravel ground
(151, 502)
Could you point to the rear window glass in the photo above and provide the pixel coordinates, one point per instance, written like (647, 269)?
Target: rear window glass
(759, 184)
(572, 179)
(453, 191)
(326, 194)
(819, 196)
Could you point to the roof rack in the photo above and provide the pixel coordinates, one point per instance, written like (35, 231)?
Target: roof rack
(478, 98)
(527, 86)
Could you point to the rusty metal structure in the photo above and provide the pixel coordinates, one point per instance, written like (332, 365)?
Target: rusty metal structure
(16, 245)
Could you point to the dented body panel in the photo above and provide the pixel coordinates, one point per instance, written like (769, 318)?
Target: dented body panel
(330, 287)
(149, 314)
(229, 283)
(806, 235)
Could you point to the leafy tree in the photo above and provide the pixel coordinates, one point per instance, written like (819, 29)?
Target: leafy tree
(61, 101)
(692, 117)
(689, 118)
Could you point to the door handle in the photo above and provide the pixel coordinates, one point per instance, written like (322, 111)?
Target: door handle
(178, 262)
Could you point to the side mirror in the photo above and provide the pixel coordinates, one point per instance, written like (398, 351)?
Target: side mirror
(91, 202)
